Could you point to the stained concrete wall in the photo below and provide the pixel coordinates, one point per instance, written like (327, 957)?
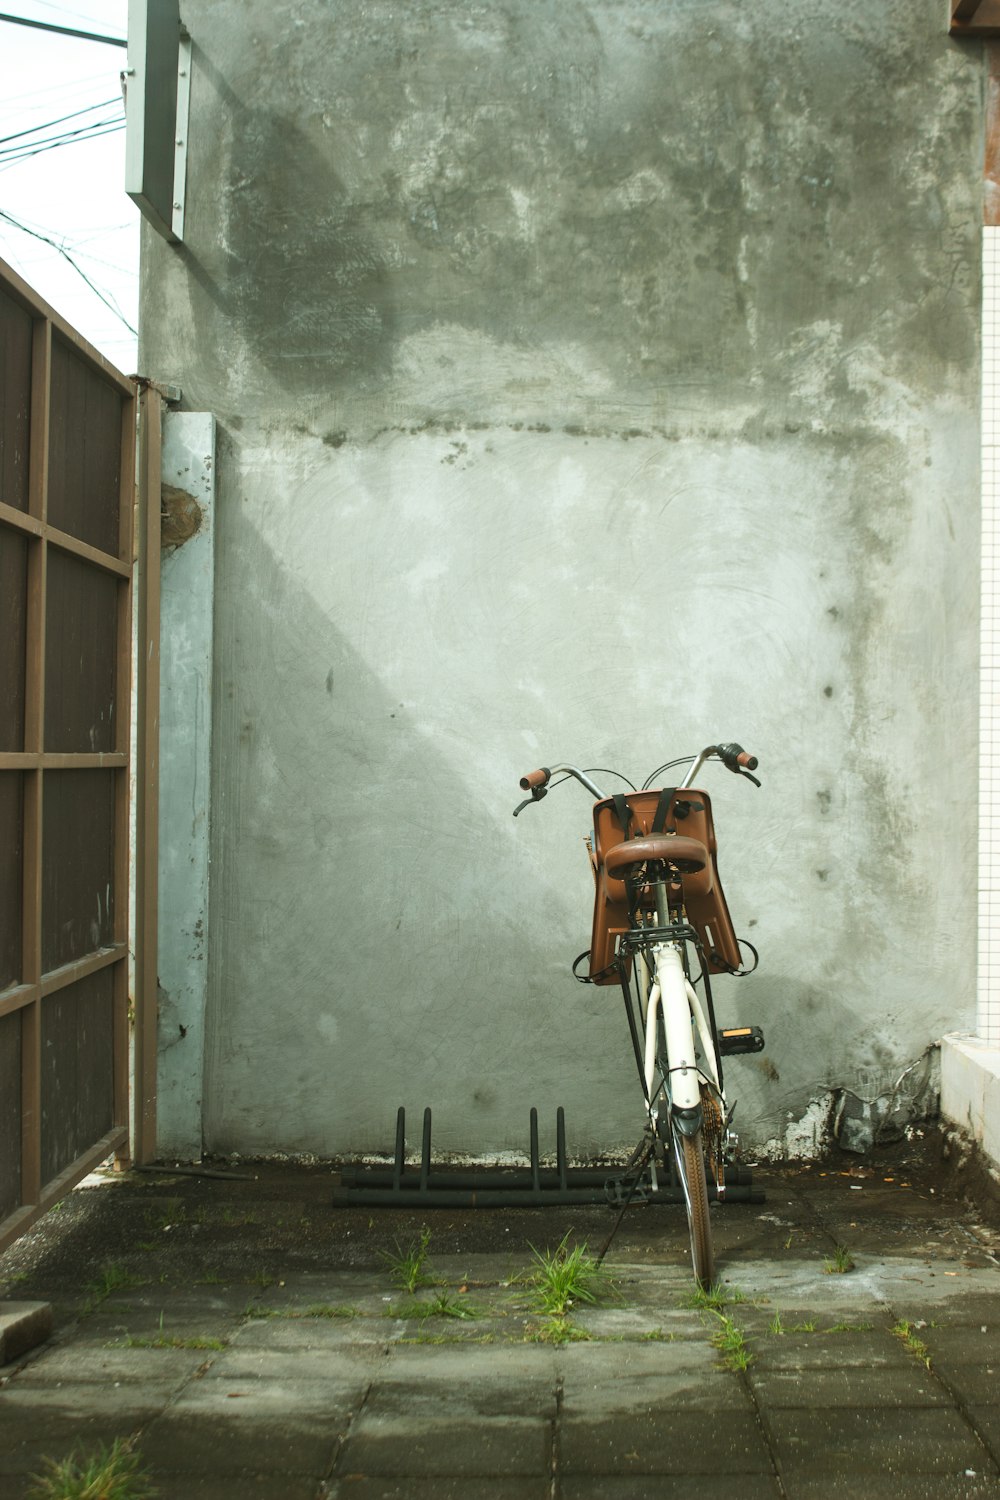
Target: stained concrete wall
(593, 381)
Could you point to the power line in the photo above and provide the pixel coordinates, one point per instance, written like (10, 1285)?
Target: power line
(108, 303)
(70, 138)
(61, 120)
(85, 36)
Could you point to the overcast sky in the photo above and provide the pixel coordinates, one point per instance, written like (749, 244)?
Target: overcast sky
(73, 193)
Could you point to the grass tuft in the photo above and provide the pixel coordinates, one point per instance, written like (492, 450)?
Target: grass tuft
(316, 1310)
(408, 1267)
(729, 1340)
(558, 1329)
(563, 1277)
(441, 1306)
(112, 1279)
(903, 1330)
(173, 1341)
(713, 1298)
(113, 1473)
(840, 1262)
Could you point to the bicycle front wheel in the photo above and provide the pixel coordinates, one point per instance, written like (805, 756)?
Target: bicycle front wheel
(689, 1152)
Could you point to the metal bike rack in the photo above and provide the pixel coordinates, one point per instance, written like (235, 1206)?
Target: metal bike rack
(430, 1186)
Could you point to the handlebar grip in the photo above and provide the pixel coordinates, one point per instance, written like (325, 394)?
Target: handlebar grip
(734, 757)
(535, 779)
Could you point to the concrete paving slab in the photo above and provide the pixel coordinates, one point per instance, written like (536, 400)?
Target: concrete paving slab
(386, 1487)
(37, 1425)
(639, 1322)
(628, 1378)
(860, 1386)
(987, 1423)
(666, 1441)
(926, 1440)
(962, 1343)
(667, 1487)
(242, 1487)
(336, 1368)
(973, 1385)
(163, 1369)
(228, 1444)
(420, 1445)
(435, 1410)
(466, 1370)
(822, 1350)
(965, 1486)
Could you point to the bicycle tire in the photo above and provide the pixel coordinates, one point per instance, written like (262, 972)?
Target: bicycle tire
(690, 1156)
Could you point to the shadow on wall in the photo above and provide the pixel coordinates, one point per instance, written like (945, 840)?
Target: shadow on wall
(304, 287)
(380, 936)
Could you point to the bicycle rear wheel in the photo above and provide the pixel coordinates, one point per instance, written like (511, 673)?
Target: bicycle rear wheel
(689, 1153)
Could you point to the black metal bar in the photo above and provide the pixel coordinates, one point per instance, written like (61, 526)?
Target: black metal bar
(506, 1177)
(510, 1198)
(533, 1149)
(400, 1162)
(425, 1152)
(561, 1146)
(472, 1177)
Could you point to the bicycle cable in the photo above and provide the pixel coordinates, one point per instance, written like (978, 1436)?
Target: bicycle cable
(682, 760)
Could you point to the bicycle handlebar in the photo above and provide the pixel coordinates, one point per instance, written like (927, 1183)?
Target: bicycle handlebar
(732, 755)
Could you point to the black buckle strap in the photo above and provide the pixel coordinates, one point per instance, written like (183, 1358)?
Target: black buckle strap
(623, 811)
(662, 810)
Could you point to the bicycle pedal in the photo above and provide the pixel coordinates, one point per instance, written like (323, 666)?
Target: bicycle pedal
(736, 1039)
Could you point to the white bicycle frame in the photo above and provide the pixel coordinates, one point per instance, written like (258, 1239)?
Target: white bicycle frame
(672, 995)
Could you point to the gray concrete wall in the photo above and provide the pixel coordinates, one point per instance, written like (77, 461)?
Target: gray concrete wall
(593, 380)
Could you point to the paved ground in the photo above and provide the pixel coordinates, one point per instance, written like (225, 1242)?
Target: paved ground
(251, 1340)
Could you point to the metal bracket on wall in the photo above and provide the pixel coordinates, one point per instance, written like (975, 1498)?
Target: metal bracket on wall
(974, 18)
(430, 1186)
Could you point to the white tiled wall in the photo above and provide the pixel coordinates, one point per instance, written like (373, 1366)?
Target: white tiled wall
(989, 738)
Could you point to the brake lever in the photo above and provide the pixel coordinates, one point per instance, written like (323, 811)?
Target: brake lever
(537, 793)
(741, 772)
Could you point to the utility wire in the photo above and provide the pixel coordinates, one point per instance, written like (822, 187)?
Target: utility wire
(108, 303)
(85, 36)
(70, 138)
(34, 129)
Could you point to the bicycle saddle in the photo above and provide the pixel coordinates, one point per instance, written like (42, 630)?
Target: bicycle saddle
(684, 854)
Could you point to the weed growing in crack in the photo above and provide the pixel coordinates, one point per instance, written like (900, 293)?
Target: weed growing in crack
(904, 1331)
(840, 1262)
(408, 1267)
(317, 1310)
(729, 1340)
(563, 1277)
(558, 1330)
(441, 1306)
(714, 1298)
(171, 1341)
(113, 1473)
(112, 1279)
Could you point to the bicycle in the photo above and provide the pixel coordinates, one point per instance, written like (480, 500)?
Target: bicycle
(658, 907)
